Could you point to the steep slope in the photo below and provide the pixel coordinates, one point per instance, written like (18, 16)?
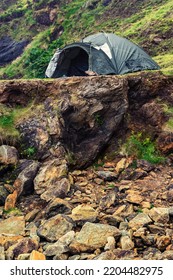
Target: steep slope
(47, 25)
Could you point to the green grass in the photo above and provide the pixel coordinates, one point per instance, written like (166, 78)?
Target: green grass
(139, 147)
(151, 20)
(9, 119)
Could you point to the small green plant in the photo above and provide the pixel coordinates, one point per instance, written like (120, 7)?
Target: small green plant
(30, 152)
(98, 119)
(142, 148)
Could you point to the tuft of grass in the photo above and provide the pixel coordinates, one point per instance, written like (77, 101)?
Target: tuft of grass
(139, 147)
(9, 119)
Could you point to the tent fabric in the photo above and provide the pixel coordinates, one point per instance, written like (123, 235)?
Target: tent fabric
(103, 54)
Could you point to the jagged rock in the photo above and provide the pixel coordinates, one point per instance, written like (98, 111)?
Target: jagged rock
(8, 240)
(8, 155)
(57, 206)
(134, 197)
(93, 236)
(23, 246)
(107, 175)
(126, 243)
(61, 246)
(26, 177)
(35, 255)
(110, 245)
(83, 213)
(159, 214)
(107, 200)
(13, 226)
(50, 181)
(10, 201)
(55, 227)
(31, 215)
(140, 220)
(152, 253)
(60, 189)
(162, 242)
(156, 229)
(165, 142)
(122, 164)
(10, 49)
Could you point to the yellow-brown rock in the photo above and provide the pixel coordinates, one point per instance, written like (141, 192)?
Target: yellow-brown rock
(10, 201)
(35, 255)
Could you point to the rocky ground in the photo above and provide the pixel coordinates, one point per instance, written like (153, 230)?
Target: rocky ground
(108, 211)
(56, 200)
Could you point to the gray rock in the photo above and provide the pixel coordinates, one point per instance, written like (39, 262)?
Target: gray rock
(51, 181)
(83, 213)
(26, 177)
(23, 246)
(108, 200)
(8, 155)
(55, 227)
(126, 243)
(159, 214)
(13, 226)
(61, 246)
(107, 175)
(140, 220)
(57, 206)
(110, 245)
(93, 236)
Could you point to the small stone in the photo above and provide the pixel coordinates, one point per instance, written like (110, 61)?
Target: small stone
(139, 220)
(134, 197)
(57, 206)
(107, 175)
(31, 215)
(8, 155)
(110, 245)
(83, 213)
(156, 229)
(10, 201)
(108, 200)
(126, 243)
(55, 227)
(61, 246)
(160, 215)
(122, 164)
(35, 255)
(23, 257)
(162, 242)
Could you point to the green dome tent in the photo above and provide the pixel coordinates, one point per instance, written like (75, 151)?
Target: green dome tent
(103, 54)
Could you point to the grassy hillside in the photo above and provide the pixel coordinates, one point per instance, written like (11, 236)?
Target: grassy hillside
(52, 23)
